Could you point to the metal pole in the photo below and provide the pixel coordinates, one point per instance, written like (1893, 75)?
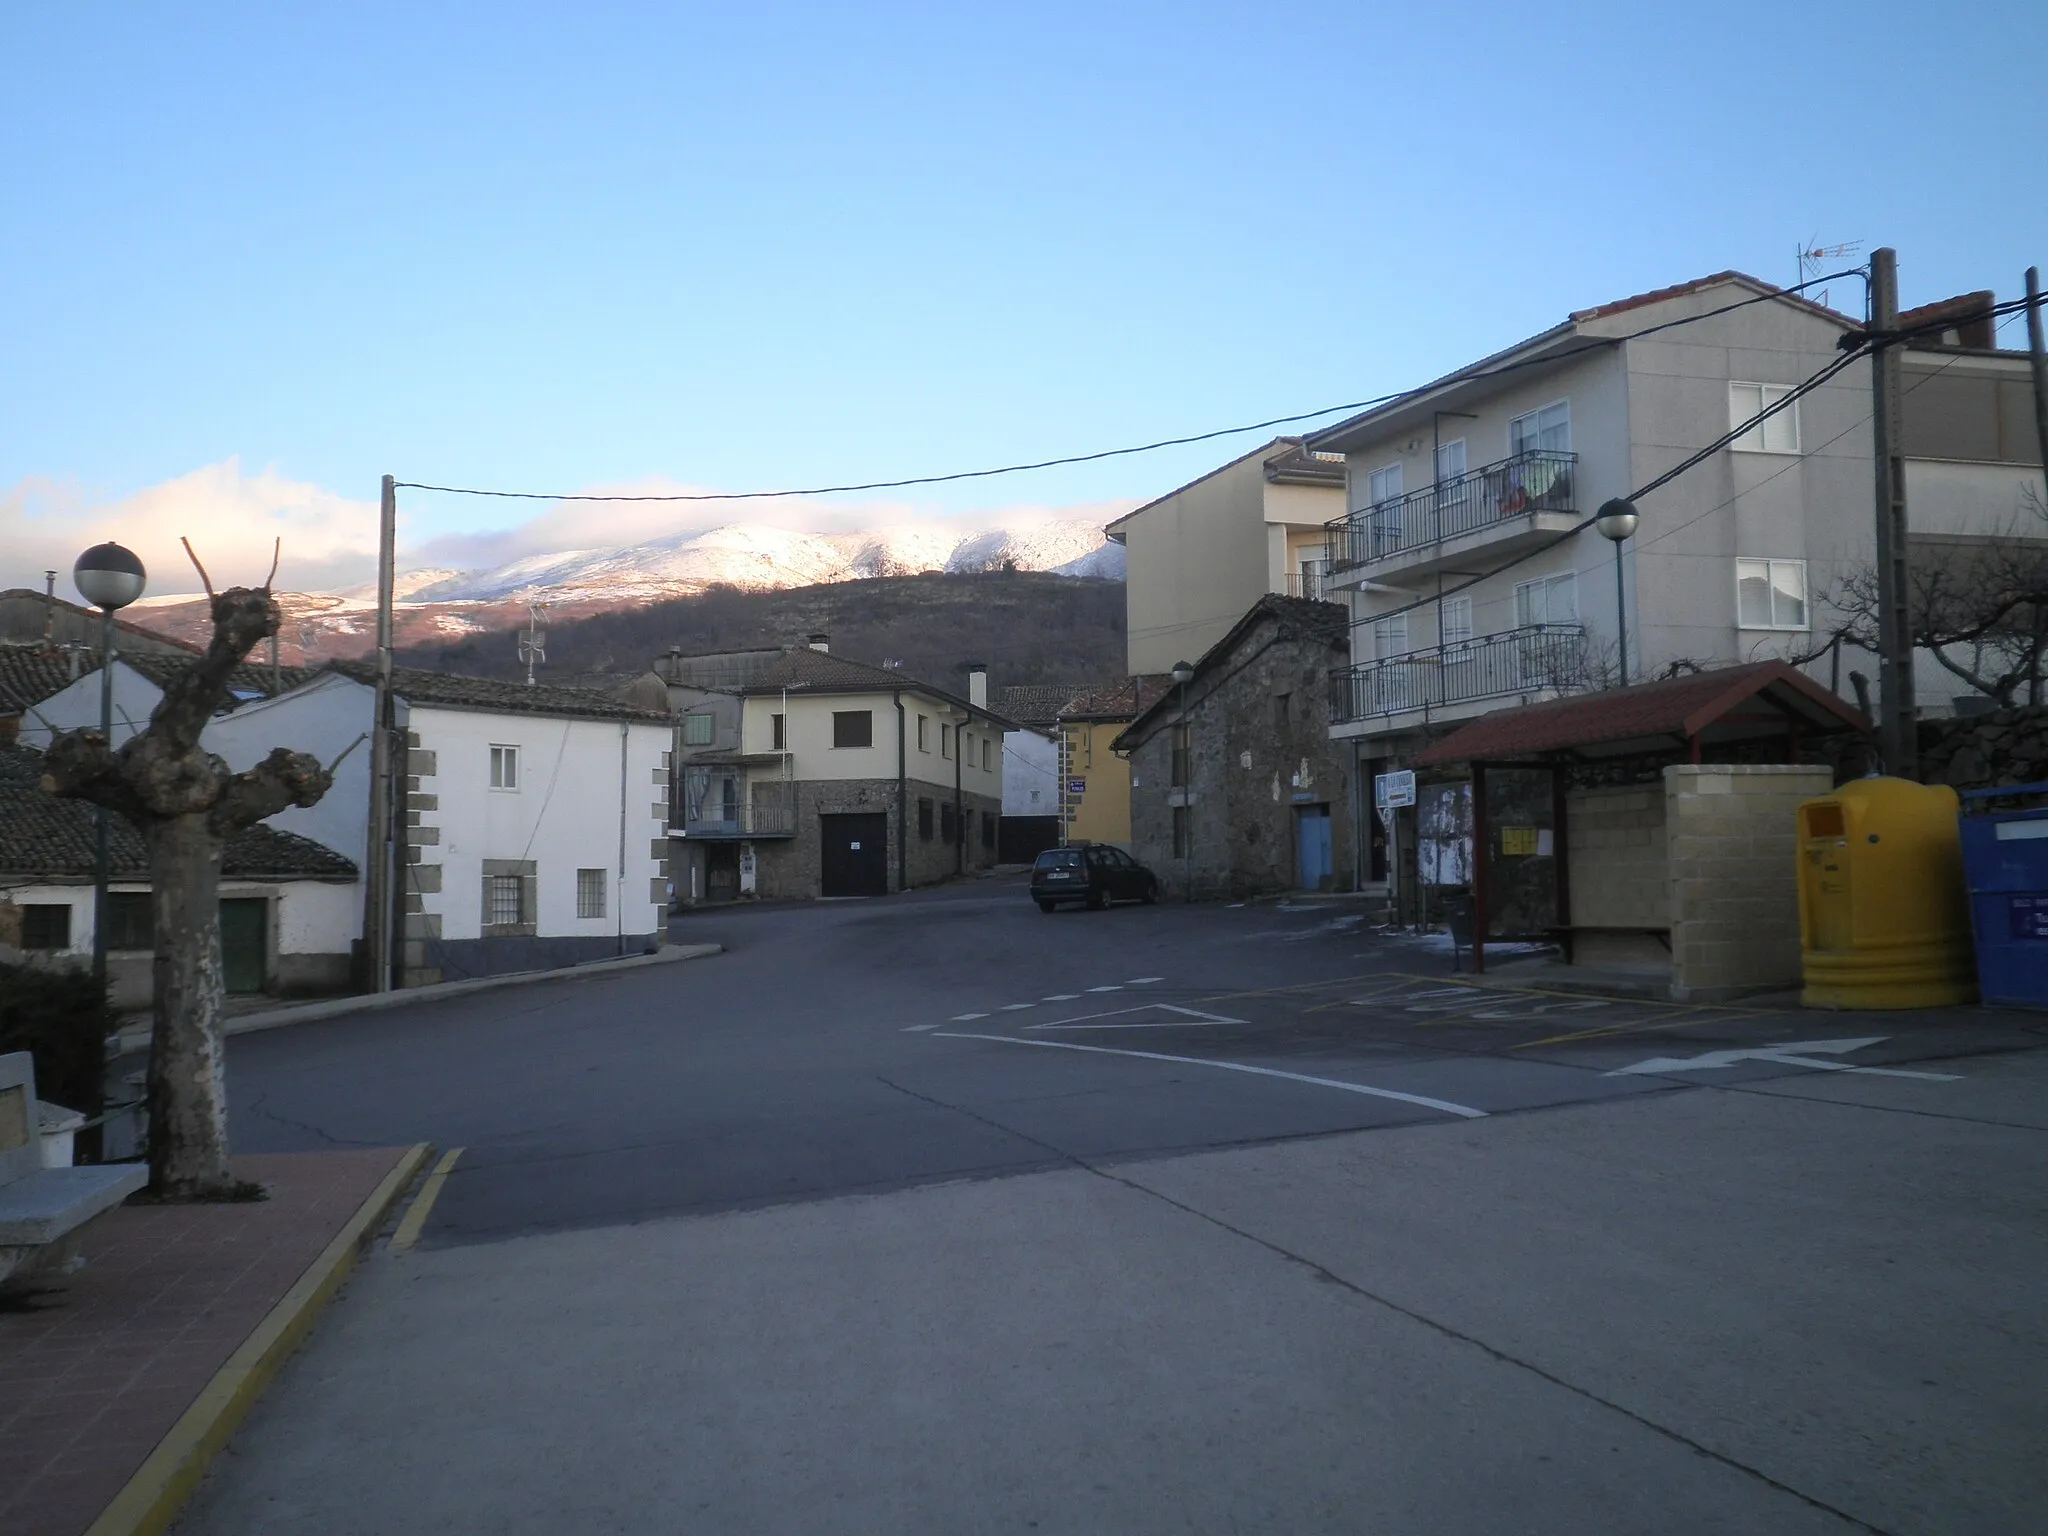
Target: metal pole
(102, 900)
(377, 887)
(2038, 353)
(1897, 728)
(1620, 614)
(1187, 798)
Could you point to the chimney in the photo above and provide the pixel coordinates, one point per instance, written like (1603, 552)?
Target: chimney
(977, 684)
(49, 606)
(819, 642)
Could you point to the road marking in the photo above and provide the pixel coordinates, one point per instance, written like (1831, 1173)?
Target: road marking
(912, 1029)
(1014, 1007)
(1649, 1024)
(1145, 981)
(1060, 997)
(962, 1018)
(1117, 988)
(1191, 1016)
(1447, 1107)
(1792, 1054)
(415, 1219)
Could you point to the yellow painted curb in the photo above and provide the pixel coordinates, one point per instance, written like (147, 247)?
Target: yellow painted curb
(414, 1221)
(160, 1486)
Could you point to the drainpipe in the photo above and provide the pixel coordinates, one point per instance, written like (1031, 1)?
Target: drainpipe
(619, 895)
(959, 826)
(902, 800)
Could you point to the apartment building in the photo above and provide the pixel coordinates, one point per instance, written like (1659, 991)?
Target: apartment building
(1200, 556)
(1476, 581)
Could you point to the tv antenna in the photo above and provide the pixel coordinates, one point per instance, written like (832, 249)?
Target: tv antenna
(1815, 258)
(533, 647)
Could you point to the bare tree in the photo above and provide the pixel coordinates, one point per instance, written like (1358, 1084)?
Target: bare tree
(187, 803)
(1979, 607)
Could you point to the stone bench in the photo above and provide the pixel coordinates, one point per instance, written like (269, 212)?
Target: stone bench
(43, 1210)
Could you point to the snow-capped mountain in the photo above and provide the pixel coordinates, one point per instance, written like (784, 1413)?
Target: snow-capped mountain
(754, 555)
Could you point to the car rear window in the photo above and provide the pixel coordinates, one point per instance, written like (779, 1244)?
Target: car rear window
(1060, 858)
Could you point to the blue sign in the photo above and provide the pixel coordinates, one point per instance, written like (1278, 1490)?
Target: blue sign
(2029, 915)
(1077, 786)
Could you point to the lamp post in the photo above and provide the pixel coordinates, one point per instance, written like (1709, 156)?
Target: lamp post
(1183, 674)
(1616, 520)
(110, 578)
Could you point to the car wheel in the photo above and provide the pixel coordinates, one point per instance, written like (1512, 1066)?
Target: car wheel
(1098, 899)
(1045, 906)
(1151, 896)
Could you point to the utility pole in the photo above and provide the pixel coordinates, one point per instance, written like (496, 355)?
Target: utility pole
(377, 887)
(1898, 732)
(2039, 353)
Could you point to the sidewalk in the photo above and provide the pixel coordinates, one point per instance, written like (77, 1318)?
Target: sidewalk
(121, 1381)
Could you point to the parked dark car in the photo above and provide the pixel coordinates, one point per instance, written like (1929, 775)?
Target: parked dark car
(1095, 873)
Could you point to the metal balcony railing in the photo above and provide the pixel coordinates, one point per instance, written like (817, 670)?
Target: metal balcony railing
(1526, 660)
(1528, 482)
(1309, 580)
(737, 821)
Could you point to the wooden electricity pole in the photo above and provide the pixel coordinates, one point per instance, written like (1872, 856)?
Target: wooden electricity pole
(1898, 732)
(377, 884)
(2038, 352)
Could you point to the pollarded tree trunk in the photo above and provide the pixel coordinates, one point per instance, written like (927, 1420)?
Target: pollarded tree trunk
(188, 1141)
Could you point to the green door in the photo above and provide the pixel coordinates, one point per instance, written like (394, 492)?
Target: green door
(244, 943)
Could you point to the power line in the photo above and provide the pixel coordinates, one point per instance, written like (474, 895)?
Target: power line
(1547, 359)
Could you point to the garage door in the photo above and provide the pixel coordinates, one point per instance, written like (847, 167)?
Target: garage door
(856, 855)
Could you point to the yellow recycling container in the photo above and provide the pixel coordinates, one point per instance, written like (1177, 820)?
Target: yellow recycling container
(1884, 916)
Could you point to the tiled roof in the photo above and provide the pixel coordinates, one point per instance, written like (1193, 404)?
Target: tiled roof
(1302, 466)
(43, 836)
(1680, 290)
(821, 672)
(1662, 713)
(1035, 703)
(30, 674)
(1122, 700)
(489, 694)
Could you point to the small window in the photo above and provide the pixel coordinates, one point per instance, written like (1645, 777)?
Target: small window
(1546, 431)
(1384, 485)
(1450, 460)
(1456, 623)
(1548, 600)
(1283, 710)
(1775, 434)
(1770, 594)
(778, 740)
(131, 922)
(924, 819)
(853, 727)
(1390, 637)
(504, 767)
(1180, 832)
(988, 755)
(924, 733)
(46, 925)
(949, 828)
(946, 741)
(696, 730)
(507, 901)
(589, 892)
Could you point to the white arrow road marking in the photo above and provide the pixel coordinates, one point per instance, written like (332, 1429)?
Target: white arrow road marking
(1796, 1053)
(1189, 1016)
(1448, 1108)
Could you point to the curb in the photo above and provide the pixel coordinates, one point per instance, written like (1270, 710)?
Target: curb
(136, 1037)
(160, 1486)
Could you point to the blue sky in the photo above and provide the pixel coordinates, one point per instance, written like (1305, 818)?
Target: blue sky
(258, 255)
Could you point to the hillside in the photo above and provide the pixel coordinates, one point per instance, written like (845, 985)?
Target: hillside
(1029, 626)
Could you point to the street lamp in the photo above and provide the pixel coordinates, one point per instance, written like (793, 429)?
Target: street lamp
(1616, 520)
(109, 577)
(1183, 674)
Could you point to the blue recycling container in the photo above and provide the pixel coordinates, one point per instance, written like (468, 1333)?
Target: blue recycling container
(2005, 865)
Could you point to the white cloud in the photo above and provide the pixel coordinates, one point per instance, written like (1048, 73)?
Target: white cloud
(330, 540)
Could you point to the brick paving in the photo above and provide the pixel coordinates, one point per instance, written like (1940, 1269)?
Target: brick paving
(92, 1375)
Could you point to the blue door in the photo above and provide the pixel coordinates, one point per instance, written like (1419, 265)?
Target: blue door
(1312, 847)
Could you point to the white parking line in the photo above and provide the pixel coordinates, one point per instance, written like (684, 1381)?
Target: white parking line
(1117, 988)
(1445, 1105)
(1013, 1007)
(1188, 1016)
(912, 1029)
(1061, 997)
(962, 1018)
(1145, 981)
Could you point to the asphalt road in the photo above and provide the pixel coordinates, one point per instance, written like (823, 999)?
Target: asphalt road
(939, 1214)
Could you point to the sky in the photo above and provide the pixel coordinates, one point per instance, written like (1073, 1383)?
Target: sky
(257, 256)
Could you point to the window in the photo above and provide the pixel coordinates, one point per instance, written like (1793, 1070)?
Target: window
(1770, 594)
(949, 827)
(504, 767)
(853, 727)
(46, 925)
(589, 892)
(696, 730)
(778, 734)
(131, 924)
(1548, 600)
(1180, 832)
(507, 901)
(1778, 434)
(1450, 460)
(924, 739)
(1546, 431)
(988, 755)
(1390, 637)
(945, 741)
(924, 819)
(1384, 485)
(1283, 710)
(1182, 752)
(1456, 623)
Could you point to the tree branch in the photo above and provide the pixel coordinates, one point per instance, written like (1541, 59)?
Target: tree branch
(80, 766)
(241, 618)
(276, 554)
(204, 579)
(281, 780)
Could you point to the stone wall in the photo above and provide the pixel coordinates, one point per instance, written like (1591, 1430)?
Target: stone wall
(2007, 746)
(1731, 840)
(791, 866)
(1618, 872)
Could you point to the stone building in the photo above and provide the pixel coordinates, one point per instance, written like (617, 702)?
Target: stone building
(1236, 786)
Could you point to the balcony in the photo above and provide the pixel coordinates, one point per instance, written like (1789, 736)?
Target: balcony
(1537, 658)
(1501, 509)
(1310, 581)
(730, 823)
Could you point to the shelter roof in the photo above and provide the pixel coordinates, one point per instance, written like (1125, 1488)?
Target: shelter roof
(1711, 705)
